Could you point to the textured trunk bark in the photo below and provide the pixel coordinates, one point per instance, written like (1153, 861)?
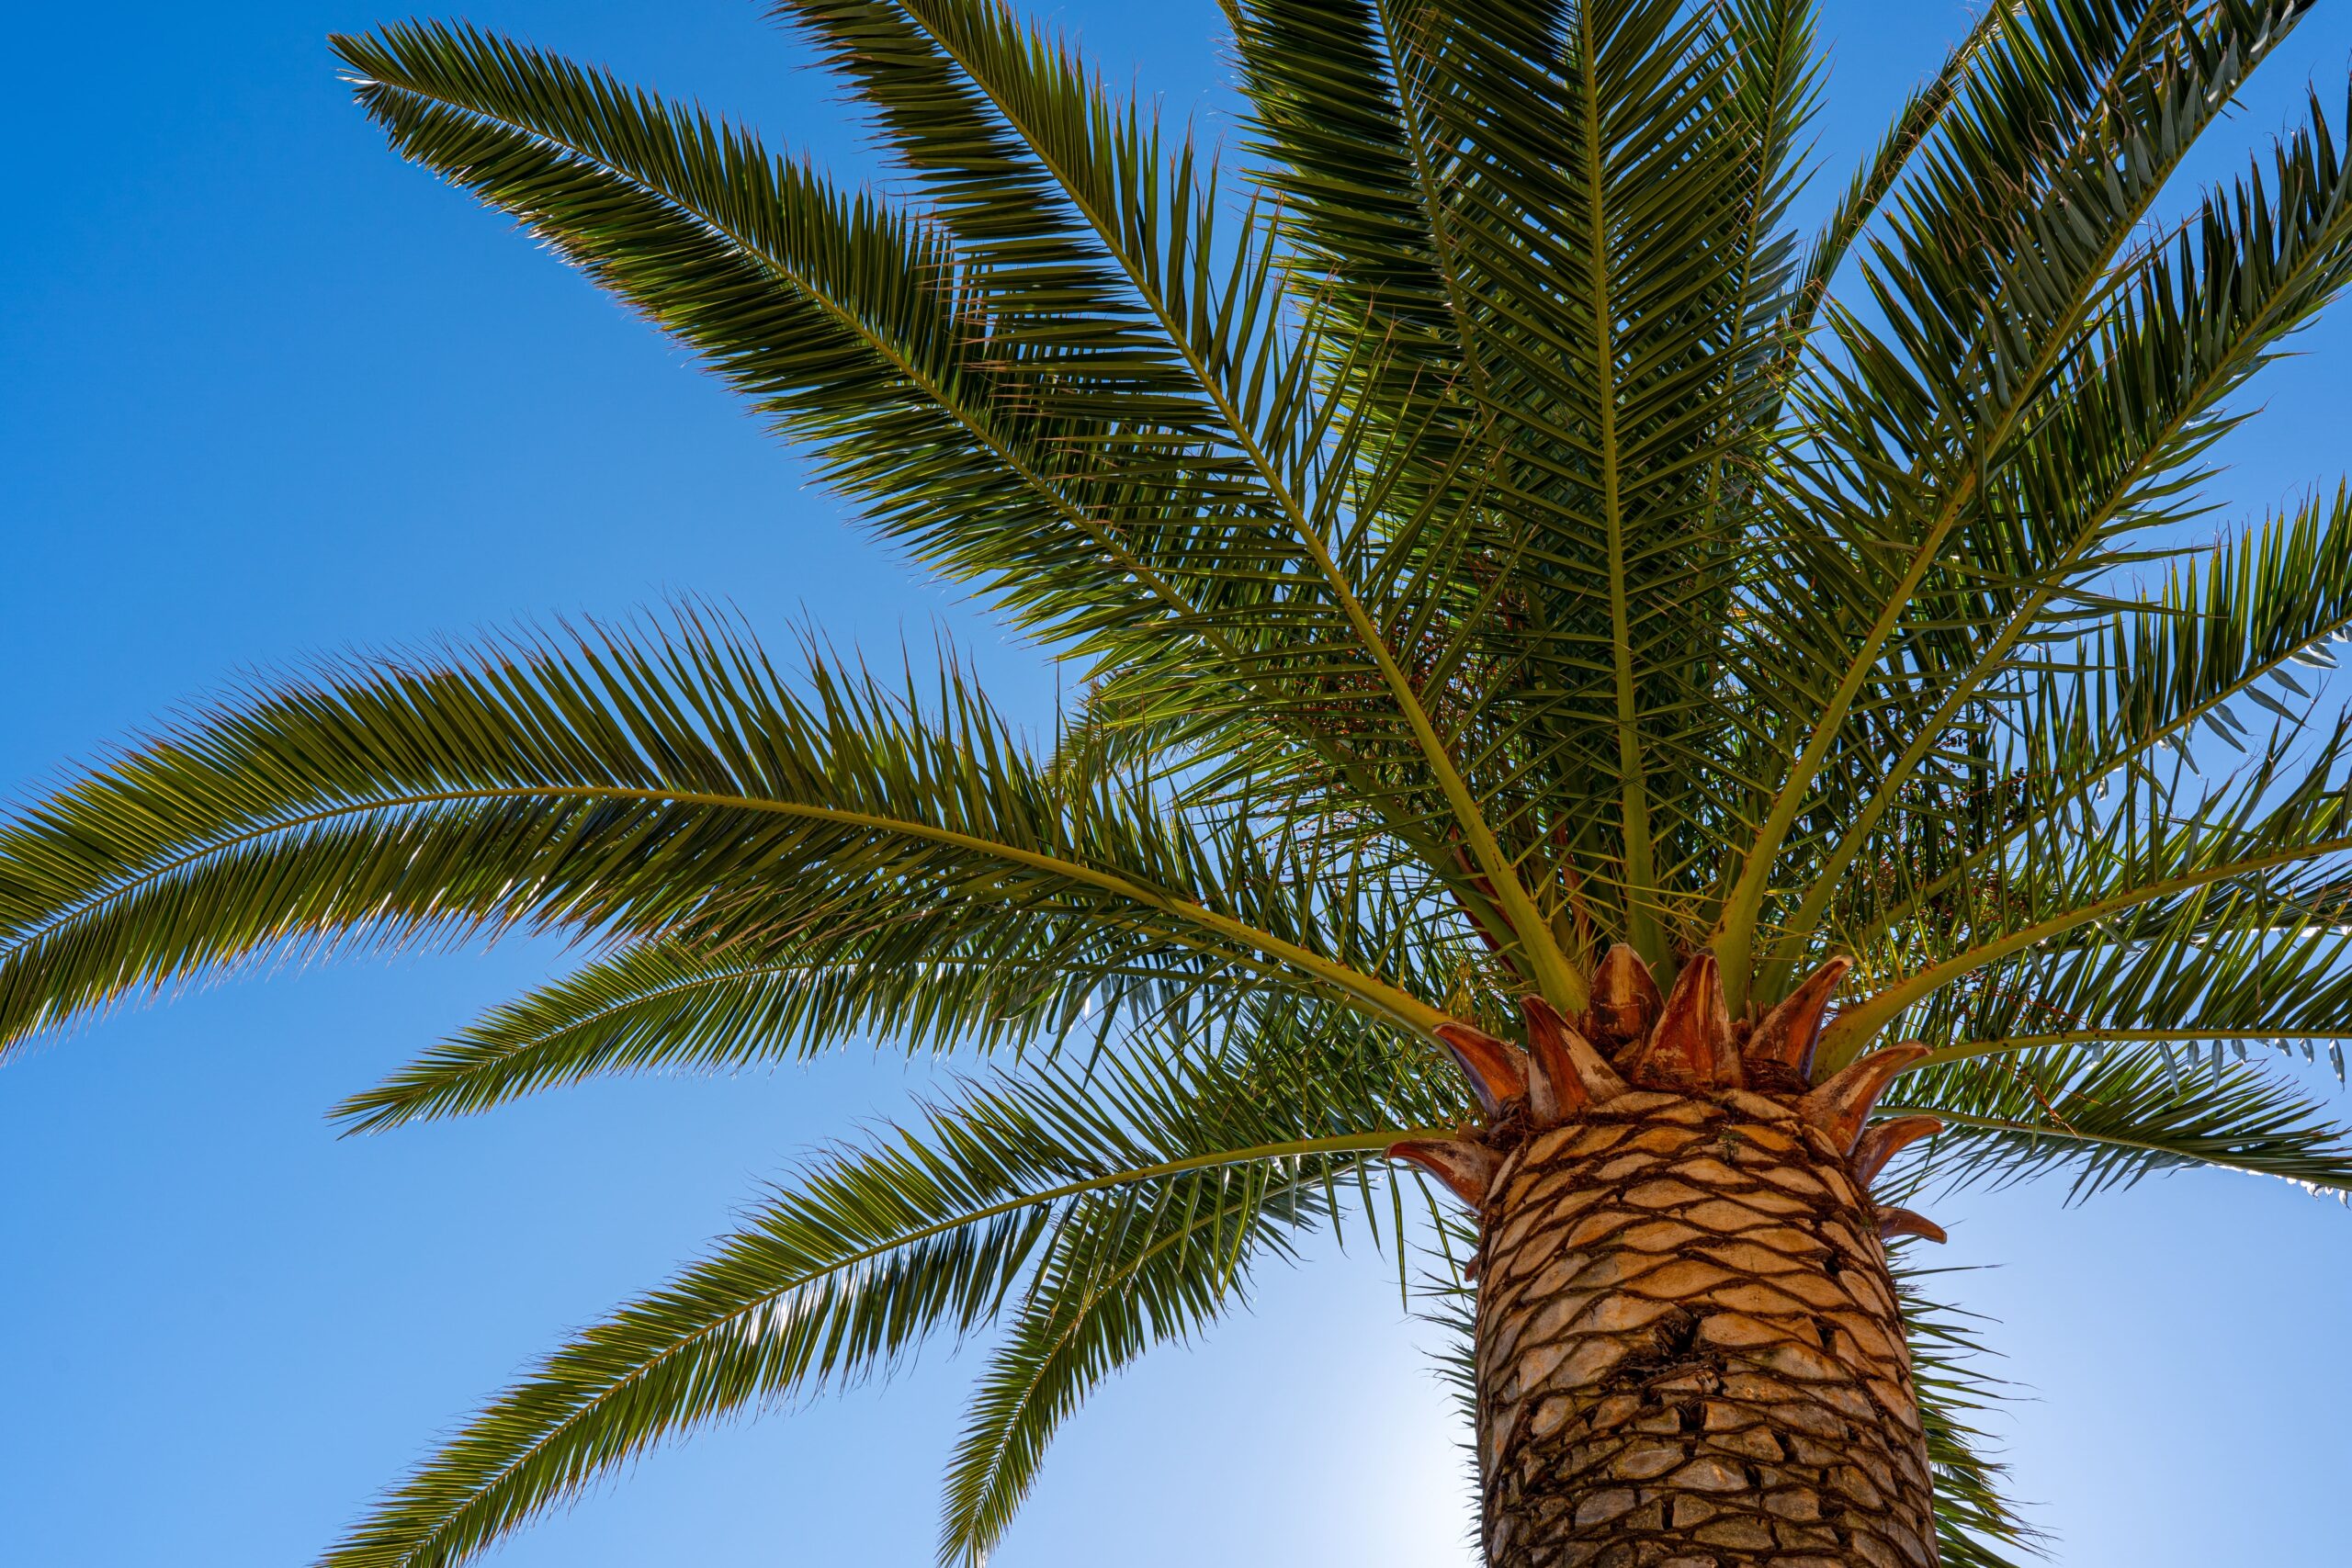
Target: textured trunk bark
(1688, 1351)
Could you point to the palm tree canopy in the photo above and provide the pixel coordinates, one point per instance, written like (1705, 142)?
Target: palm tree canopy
(1489, 533)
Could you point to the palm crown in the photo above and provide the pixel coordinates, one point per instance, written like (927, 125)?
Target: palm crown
(1491, 543)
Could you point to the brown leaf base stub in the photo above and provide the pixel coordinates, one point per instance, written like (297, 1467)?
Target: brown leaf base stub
(1689, 1354)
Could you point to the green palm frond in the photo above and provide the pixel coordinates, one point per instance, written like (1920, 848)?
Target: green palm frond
(1199, 501)
(2135, 692)
(2110, 1117)
(1976, 1524)
(1161, 1261)
(1896, 156)
(1988, 305)
(666, 1006)
(618, 786)
(2150, 873)
(856, 324)
(2115, 457)
(1339, 118)
(1006, 1200)
(1125, 1274)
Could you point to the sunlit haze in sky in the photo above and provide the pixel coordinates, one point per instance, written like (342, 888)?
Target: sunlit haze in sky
(270, 394)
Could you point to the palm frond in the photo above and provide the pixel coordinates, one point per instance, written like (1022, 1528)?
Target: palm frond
(937, 1229)
(2114, 457)
(1985, 303)
(2242, 630)
(1876, 179)
(1977, 1525)
(2109, 1118)
(619, 786)
(1126, 1273)
(2150, 873)
(671, 1006)
(1237, 464)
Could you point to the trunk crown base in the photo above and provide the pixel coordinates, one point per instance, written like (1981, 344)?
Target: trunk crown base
(1688, 1349)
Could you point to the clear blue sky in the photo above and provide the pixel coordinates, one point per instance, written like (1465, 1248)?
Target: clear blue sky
(268, 394)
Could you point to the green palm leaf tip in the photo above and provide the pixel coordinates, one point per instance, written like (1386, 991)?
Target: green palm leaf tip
(1488, 535)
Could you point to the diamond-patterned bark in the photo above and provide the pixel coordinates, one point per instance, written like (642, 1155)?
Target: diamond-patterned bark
(1689, 1350)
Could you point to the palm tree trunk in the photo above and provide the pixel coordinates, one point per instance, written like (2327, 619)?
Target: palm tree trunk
(1689, 1350)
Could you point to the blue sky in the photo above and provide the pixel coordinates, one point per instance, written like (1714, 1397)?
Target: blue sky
(271, 394)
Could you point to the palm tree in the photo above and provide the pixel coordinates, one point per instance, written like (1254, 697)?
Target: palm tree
(1545, 648)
